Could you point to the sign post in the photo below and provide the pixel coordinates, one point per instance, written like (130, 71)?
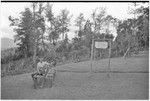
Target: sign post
(92, 48)
(101, 44)
(109, 69)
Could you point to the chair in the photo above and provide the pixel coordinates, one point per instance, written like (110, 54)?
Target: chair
(47, 79)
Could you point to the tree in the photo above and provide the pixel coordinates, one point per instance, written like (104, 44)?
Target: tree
(79, 23)
(88, 34)
(38, 29)
(41, 24)
(110, 21)
(64, 47)
(30, 30)
(143, 26)
(24, 30)
(125, 37)
(53, 30)
(64, 20)
(98, 19)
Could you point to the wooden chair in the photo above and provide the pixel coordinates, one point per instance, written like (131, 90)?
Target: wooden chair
(47, 78)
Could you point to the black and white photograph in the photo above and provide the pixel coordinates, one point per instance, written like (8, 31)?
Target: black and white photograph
(67, 50)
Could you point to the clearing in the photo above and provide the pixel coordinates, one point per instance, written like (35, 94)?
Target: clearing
(129, 80)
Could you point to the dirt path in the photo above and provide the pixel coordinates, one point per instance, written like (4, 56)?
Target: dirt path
(70, 85)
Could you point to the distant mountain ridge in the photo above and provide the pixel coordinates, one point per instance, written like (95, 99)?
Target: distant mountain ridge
(7, 43)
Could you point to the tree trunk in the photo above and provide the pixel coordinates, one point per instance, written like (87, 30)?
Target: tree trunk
(43, 41)
(25, 59)
(34, 57)
(35, 40)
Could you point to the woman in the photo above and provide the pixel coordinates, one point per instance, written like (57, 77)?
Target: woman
(42, 70)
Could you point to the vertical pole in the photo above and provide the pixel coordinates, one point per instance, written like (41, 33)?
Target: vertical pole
(35, 52)
(92, 48)
(109, 69)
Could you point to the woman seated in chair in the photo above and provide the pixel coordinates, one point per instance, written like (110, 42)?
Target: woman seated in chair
(42, 70)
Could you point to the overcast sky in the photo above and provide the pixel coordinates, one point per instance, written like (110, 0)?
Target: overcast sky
(118, 10)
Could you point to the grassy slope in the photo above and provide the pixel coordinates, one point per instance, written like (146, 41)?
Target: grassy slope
(75, 85)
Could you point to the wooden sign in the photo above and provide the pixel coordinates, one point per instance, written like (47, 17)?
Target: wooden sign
(101, 44)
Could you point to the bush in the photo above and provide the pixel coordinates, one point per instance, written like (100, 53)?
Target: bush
(11, 57)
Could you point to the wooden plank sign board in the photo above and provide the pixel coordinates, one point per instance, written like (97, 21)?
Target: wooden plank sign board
(101, 44)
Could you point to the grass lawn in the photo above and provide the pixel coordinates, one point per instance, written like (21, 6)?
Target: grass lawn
(129, 80)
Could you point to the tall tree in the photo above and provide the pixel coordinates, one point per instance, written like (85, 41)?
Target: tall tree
(142, 25)
(125, 39)
(110, 21)
(88, 34)
(24, 31)
(41, 23)
(79, 23)
(34, 30)
(53, 30)
(64, 21)
(38, 28)
(98, 17)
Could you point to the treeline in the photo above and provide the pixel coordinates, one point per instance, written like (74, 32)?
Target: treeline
(133, 34)
(10, 55)
(39, 32)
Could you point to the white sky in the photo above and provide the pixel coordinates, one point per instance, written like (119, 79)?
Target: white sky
(118, 10)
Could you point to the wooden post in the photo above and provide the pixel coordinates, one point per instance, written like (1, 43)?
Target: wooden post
(109, 69)
(92, 48)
